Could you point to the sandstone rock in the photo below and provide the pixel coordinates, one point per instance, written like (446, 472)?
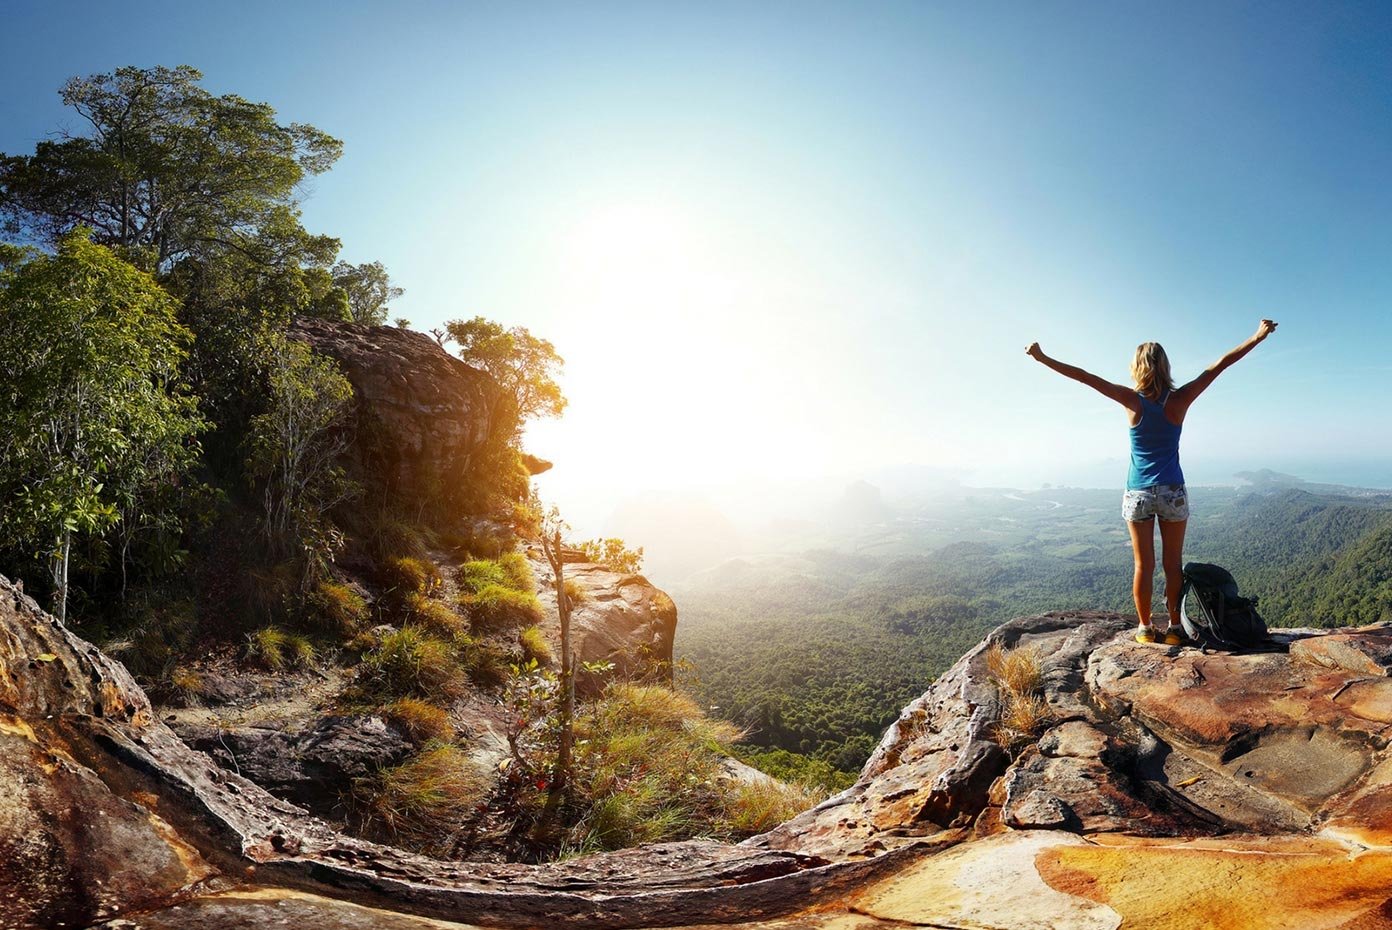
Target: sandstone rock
(423, 416)
(619, 618)
(1366, 651)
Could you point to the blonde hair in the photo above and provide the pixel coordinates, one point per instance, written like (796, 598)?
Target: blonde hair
(1150, 369)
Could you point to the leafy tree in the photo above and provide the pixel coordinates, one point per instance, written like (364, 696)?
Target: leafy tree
(165, 166)
(614, 555)
(523, 364)
(368, 289)
(93, 409)
(293, 447)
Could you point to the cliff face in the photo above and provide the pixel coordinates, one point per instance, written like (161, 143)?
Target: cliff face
(423, 416)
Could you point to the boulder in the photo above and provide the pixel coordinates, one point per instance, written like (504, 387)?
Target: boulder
(423, 417)
(312, 765)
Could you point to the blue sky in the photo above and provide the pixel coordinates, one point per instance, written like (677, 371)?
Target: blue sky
(795, 239)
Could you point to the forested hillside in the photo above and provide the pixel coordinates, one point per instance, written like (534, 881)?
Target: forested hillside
(816, 653)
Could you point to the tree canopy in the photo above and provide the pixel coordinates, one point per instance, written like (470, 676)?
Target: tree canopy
(525, 365)
(93, 408)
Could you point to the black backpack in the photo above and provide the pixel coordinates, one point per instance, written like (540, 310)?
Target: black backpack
(1214, 613)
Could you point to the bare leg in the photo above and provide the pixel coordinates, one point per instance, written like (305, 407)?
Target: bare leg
(1172, 555)
(1143, 582)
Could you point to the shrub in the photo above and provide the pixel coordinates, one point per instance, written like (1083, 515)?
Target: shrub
(390, 537)
(613, 555)
(407, 575)
(1018, 671)
(411, 662)
(535, 646)
(495, 608)
(339, 607)
(421, 720)
(434, 616)
(426, 801)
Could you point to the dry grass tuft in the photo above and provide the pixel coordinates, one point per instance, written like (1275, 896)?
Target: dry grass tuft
(1019, 671)
(753, 807)
(1018, 674)
(434, 616)
(421, 720)
(428, 800)
(337, 607)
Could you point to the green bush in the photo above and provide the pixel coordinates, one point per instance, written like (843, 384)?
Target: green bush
(478, 574)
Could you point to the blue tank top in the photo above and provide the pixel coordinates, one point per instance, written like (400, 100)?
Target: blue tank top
(1154, 447)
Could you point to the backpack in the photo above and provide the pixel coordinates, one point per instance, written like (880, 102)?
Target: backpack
(1213, 612)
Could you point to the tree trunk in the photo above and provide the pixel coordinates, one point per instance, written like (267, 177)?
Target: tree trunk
(59, 569)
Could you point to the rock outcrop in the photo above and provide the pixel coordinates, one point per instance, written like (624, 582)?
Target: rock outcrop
(616, 617)
(423, 416)
(1167, 788)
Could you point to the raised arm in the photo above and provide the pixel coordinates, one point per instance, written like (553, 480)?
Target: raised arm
(1117, 392)
(1190, 392)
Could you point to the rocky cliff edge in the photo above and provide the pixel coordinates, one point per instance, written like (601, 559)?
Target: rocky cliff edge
(1165, 788)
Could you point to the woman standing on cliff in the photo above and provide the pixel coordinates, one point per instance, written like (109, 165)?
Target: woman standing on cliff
(1155, 484)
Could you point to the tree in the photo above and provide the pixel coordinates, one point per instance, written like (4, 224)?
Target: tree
(525, 366)
(293, 447)
(93, 410)
(165, 167)
(369, 290)
(551, 529)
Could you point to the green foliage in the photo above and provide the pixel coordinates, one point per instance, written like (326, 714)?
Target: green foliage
(791, 767)
(368, 290)
(95, 411)
(294, 446)
(524, 365)
(497, 594)
(434, 616)
(614, 555)
(277, 650)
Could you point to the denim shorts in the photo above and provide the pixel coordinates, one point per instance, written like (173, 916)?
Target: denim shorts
(1169, 502)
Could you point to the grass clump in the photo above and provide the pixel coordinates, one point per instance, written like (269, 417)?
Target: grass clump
(485, 662)
(434, 616)
(277, 650)
(495, 608)
(1018, 674)
(337, 607)
(410, 662)
(407, 575)
(756, 806)
(421, 720)
(428, 800)
(575, 592)
(534, 645)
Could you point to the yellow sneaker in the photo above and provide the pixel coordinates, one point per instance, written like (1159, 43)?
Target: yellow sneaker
(1173, 639)
(1145, 634)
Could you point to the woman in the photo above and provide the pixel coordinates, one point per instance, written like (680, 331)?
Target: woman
(1155, 485)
